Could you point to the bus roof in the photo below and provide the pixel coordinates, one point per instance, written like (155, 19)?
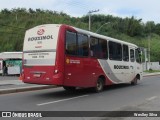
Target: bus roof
(89, 33)
(46, 25)
(104, 37)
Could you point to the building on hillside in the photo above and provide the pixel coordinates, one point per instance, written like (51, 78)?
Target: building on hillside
(10, 63)
(151, 66)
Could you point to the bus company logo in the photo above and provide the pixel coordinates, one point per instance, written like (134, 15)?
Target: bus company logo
(72, 61)
(40, 31)
(121, 67)
(67, 61)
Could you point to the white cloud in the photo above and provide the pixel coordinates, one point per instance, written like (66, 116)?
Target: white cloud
(27, 4)
(147, 10)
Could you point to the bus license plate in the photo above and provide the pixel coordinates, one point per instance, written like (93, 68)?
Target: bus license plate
(37, 75)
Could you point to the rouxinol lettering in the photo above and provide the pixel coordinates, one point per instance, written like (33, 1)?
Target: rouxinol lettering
(40, 38)
(121, 67)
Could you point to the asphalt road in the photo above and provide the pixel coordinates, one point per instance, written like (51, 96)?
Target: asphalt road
(117, 97)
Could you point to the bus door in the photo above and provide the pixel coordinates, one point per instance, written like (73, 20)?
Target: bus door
(125, 64)
(77, 62)
(116, 64)
(132, 63)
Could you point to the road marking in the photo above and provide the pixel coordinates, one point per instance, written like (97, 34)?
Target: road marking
(61, 100)
(151, 98)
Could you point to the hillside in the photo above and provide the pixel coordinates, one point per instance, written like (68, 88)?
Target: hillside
(14, 23)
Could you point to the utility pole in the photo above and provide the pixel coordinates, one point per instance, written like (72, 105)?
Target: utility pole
(146, 59)
(89, 14)
(149, 51)
(149, 47)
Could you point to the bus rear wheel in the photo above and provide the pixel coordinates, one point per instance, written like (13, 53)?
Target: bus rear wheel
(135, 81)
(68, 88)
(99, 85)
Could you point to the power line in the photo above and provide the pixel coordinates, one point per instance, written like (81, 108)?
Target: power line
(69, 5)
(73, 3)
(84, 6)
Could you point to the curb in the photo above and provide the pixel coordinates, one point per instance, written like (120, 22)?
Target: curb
(151, 74)
(23, 89)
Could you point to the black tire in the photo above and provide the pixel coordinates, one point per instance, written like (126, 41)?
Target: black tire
(135, 81)
(99, 85)
(68, 88)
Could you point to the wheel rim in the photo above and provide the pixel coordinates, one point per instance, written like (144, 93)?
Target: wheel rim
(135, 81)
(99, 85)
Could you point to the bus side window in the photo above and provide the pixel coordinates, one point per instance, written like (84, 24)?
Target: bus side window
(103, 51)
(125, 53)
(83, 45)
(94, 46)
(132, 55)
(71, 43)
(115, 51)
(99, 48)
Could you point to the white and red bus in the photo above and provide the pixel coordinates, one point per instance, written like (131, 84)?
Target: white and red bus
(55, 54)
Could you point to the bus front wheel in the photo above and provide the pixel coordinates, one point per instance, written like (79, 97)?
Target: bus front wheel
(99, 85)
(135, 81)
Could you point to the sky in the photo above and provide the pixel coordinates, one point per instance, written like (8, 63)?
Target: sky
(147, 10)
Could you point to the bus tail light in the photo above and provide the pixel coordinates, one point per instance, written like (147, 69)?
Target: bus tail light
(56, 71)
